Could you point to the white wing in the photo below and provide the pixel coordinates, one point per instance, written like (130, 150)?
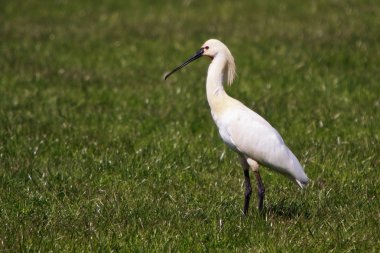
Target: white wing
(250, 134)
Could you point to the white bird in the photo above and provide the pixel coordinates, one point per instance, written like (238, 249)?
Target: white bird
(243, 130)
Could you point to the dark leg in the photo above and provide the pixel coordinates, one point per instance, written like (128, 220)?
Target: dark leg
(248, 191)
(261, 190)
(247, 183)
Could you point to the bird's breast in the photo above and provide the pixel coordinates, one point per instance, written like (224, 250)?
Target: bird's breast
(223, 130)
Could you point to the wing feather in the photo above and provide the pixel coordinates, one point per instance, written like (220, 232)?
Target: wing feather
(253, 136)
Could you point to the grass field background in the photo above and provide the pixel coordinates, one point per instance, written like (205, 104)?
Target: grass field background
(98, 153)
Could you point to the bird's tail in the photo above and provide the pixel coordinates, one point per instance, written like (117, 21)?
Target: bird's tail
(302, 184)
(298, 172)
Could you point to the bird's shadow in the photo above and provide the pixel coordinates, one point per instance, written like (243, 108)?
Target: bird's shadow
(287, 210)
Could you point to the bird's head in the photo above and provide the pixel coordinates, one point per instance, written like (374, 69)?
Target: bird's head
(212, 48)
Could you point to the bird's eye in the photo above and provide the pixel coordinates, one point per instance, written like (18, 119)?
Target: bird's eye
(206, 47)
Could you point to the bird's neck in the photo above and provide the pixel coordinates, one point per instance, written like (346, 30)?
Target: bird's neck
(215, 78)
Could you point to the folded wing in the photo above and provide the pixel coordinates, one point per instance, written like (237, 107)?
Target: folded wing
(254, 137)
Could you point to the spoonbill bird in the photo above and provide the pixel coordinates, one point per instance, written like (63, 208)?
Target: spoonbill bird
(243, 130)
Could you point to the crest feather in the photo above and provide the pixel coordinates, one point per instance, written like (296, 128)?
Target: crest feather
(231, 68)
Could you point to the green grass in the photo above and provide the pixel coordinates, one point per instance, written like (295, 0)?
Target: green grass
(98, 153)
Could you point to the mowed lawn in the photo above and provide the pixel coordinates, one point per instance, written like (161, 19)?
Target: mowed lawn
(99, 154)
